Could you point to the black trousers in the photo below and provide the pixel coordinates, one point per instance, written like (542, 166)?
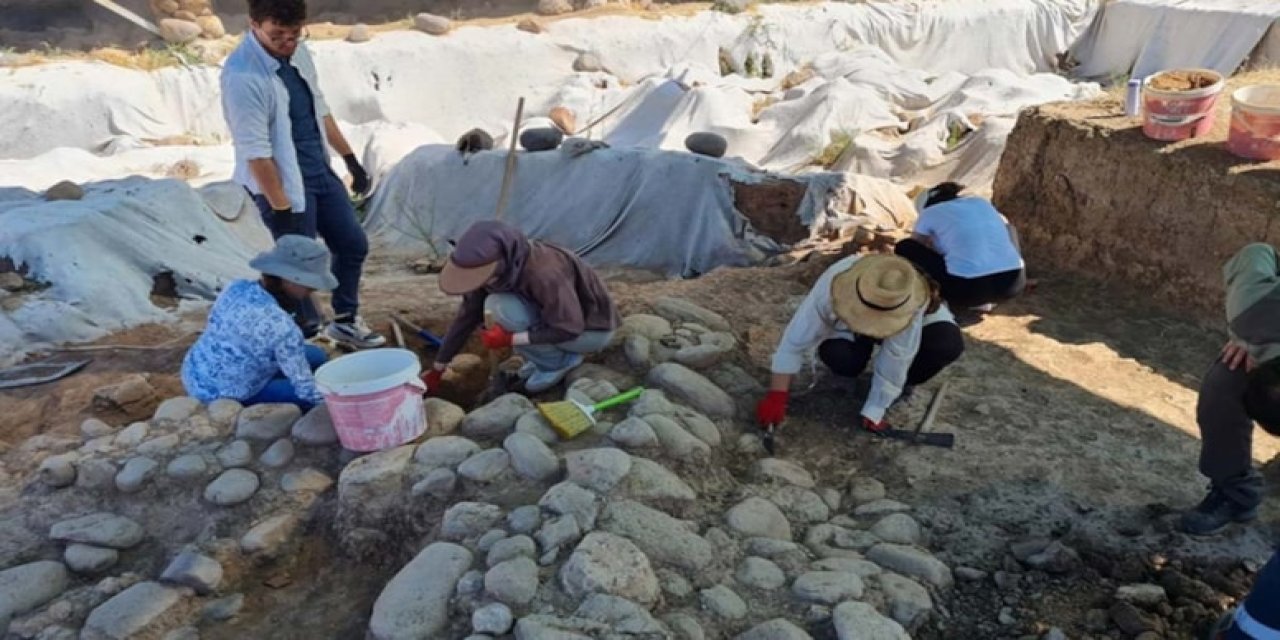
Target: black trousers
(962, 293)
(1226, 434)
(941, 343)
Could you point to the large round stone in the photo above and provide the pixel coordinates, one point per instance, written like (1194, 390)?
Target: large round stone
(712, 145)
(541, 138)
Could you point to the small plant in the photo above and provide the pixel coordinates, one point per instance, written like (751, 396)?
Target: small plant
(749, 66)
(766, 66)
(1118, 80)
(183, 54)
(726, 62)
(760, 32)
(957, 131)
(840, 142)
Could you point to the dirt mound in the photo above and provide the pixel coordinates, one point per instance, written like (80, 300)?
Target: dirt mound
(1091, 194)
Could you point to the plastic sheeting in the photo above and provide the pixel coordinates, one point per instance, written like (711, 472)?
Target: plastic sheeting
(900, 121)
(99, 255)
(667, 212)
(961, 134)
(1142, 37)
(473, 76)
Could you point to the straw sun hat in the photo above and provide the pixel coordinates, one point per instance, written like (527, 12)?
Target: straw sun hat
(878, 295)
(299, 260)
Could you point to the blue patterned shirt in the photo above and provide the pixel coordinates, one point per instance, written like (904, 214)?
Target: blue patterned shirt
(249, 340)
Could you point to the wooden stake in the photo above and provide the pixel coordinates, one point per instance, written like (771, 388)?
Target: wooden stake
(395, 328)
(508, 173)
(111, 6)
(932, 412)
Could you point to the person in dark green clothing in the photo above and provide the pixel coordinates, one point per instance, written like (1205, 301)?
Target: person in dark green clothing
(1241, 388)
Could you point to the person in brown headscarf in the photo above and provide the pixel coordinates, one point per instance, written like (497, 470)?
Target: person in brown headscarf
(546, 303)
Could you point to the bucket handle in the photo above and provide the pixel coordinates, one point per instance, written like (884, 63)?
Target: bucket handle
(1177, 121)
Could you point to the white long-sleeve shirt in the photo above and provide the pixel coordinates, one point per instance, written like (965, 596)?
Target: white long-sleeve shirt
(255, 104)
(815, 321)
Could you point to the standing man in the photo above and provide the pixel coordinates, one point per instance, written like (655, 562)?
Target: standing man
(1242, 387)
(280, 125)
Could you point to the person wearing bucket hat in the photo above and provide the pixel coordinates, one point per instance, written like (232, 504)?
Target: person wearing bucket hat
(1241, 388)
(546, 303)
(967, 247)
(858, 303)
(252, 350)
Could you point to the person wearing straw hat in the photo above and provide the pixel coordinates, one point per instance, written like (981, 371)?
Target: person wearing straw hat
(965, 245)
(1241, 389)
(861, 303)
(545, 302)
(252, 350)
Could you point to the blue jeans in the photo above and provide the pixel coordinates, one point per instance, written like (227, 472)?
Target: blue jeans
(515, 315)
(1261, 609)
(330, 215)
(279, 390)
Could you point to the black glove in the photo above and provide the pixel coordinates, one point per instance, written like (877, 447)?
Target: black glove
(359, 179)
(284, 222)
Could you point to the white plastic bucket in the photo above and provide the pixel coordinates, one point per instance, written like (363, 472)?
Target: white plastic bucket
(1255, 122)
(374, 398)
(1170, 116)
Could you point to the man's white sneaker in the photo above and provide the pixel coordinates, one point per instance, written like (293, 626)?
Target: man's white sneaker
(355, 333)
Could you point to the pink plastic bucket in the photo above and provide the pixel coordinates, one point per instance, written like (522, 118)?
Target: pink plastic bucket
(374, 398)
(1255, 123)
(1177, 115)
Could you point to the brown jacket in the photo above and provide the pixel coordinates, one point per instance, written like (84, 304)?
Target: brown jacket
(569, 296)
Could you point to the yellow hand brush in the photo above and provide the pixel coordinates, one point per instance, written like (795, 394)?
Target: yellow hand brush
(570, 418)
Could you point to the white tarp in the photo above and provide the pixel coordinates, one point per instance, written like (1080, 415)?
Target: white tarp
(1141, 37)
(84, 105)
(473, 76)
(668, 212)
(859, 95)
(880, 66)
(99, 255)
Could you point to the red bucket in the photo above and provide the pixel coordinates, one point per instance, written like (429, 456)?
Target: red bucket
(1255, 123)
(1172, 115)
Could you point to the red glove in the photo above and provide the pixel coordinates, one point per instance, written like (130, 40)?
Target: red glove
(873, 426)
(496, 337)
(432, 380)
(772, 408)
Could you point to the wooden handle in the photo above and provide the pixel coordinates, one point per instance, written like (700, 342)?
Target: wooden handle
(621, 398)
(934, 406)
(395, 328)
(508, 174)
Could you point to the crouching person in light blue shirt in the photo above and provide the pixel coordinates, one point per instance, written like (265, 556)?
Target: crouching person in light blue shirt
(252, 350)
